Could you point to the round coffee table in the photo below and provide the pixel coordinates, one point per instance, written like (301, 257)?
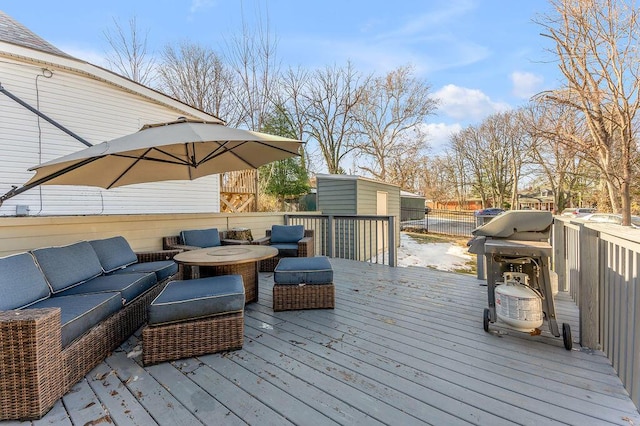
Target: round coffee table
(229, 260)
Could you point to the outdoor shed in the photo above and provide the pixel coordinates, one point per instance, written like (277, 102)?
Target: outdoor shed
(412, 206)
(355, 195)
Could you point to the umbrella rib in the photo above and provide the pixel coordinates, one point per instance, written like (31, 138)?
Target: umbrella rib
(216, 153)
(137, 160)
(177, 159)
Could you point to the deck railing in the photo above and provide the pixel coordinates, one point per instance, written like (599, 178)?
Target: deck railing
(356, 237)
(600, 266)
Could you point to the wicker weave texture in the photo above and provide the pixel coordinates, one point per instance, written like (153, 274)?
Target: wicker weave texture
(91, 348)
(310, 296)
(35, 371)
(248, 271)
(192, 338)
(30, 363)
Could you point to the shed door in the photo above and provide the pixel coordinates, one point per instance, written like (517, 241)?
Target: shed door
(381, 207)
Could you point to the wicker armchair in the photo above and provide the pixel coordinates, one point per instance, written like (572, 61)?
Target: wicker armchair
(287, 247)
(177, 242)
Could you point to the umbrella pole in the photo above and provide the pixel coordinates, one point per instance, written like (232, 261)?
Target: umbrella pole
(42, 115)
(16, 191)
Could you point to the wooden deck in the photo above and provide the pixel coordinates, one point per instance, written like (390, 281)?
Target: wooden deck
(403, 346)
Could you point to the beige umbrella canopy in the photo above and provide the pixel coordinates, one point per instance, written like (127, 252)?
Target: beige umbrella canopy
(180, 150)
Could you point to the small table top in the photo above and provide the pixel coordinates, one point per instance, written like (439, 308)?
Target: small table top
(225, 255)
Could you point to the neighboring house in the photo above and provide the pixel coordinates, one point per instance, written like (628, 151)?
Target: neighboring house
(97, 105)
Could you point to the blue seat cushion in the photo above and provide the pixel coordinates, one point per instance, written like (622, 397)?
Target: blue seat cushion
(162, 268)
(201, 237)
(68, 266)
(303, 270)
(130, 286)
(286, 233)
(81, 312)
(286, 250)
(202, 297)
(114, 253)
(21, 282)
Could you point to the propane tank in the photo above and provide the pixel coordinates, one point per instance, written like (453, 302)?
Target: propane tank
(517, 304)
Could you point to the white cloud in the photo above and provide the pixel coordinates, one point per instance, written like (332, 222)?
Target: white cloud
(197, 5)
(439, 133)
(526, 84)
(466, 104)
(92, 56)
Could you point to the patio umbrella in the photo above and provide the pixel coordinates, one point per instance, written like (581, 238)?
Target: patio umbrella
(180, 150)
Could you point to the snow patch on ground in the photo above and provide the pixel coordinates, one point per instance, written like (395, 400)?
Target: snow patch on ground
(440, 256)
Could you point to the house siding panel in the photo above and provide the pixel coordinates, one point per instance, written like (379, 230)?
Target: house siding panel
(96, 111)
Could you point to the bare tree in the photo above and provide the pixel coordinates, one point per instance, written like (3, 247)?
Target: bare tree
(331, 97)
(390, 114)
(292, 103)
(252, 56)
(442, 180)
(596, 42)
(197, 76)
(129, 54)
(463, 146)
(561, 163)
(494, 152)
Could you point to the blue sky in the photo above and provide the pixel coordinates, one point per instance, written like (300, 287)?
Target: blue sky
(480, 56)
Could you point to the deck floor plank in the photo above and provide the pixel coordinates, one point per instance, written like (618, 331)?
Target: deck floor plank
(279, 400)
(287, 373)
(83, 405)
(388, 405)
(150, 394)
(422, 349)
(122, 406)
(204, 406)
(384, 375)
(402, 346)
(238, 397)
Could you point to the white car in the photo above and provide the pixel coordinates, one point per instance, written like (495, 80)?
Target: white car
(611, 218)
(578, 211)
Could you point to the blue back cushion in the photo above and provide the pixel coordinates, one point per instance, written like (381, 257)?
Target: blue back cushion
(114, 253)
(21, 282)
(201, 237)
(287, 233)
(67, 266)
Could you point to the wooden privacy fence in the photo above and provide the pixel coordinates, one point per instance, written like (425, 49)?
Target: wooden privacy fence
(600, 266)
(356, 237)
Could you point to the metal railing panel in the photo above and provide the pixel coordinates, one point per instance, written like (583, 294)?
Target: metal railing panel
(357, 237)
(447, 222)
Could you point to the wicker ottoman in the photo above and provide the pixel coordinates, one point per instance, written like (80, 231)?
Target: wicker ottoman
(303, 283)
(195, 317)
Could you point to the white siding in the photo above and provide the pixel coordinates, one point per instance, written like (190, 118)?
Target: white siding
(96, 111)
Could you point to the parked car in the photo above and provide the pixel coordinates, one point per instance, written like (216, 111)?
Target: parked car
(578, 211)
(611, 218)
(492, 211)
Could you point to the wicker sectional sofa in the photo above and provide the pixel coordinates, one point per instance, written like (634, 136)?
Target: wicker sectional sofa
(63, 310)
